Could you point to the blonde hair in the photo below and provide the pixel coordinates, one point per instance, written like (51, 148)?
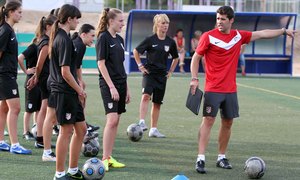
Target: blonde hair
(159, 18)
(106, 15)
(197, 33)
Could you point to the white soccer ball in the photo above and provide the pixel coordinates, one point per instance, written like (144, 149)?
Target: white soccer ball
(93, 169)
(34, 130)
(255, 167)
(134, 132)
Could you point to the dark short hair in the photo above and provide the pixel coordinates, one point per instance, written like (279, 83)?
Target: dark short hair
(226, 10)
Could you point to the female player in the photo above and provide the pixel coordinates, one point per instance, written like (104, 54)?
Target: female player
(112, 78)
(180, 43)
(10, 14)
(33, 96)
(158, 46)
(67, 98)
(42, 72)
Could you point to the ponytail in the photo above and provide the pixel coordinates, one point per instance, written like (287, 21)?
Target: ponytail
(53, 33)
(9, 6)
(2, 15)
(103, 22)
(39, 32)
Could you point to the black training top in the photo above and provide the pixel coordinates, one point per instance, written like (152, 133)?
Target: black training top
(62, 54)
(111, 49)
(44, 42)
(80, 49)
(158, 52)
(9, 48)
(30, 55)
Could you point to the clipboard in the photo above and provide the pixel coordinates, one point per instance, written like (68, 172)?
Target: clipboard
(193, 102)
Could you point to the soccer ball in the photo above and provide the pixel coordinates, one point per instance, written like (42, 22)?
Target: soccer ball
(134, 132)
(255, 167)
(34, 130)
(93, 169)
(90, 148)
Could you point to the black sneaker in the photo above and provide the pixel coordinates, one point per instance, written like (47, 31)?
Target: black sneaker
(92, 128)
(200, 167)
(66, 177)
(55, 130)
(90, 136)
(224, 163)
(28, 136)
(78, 175)
(41, 145)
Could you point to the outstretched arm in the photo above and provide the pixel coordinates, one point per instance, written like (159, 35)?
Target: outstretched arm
(271, 33)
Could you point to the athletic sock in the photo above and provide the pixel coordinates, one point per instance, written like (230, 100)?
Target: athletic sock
(142, 121)
(73, 171)
(47, 151)
(221, 156)
(40, 139)
(15, 145)
(201, 157)
(60, 174)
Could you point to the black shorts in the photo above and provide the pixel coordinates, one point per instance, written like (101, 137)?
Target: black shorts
(227, 102)
(33, 99)
(68, 108)
(110, 105)
(156, 85)
(8, 88)
(44, 87)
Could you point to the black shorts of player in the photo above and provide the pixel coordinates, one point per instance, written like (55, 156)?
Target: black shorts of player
(33, 99)
(154, 85)
(226, 102)
(110, 105)
(67, 106)
(8, 88)
(43, 87)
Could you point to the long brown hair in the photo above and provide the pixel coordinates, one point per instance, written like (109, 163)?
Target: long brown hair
(41, 29)
(9, 6)
(65, 12)
(106, 15)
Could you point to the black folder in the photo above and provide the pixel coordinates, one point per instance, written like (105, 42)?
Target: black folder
(193, 102)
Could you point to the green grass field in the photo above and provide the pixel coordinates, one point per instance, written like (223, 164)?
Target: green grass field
(268, 127)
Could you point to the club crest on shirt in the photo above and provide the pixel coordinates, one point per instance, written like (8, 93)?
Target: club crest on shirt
(208, 109)
(29, 105)
(68, 116)
(167, 48)
(110, 105)
(15, 92)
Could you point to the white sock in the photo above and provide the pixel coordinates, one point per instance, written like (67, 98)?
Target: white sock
(15, 145)
(221, 156)
(60, 174)
(142, 121)
(47, 151)
(73, 171)
(201, 157)
(153, 129)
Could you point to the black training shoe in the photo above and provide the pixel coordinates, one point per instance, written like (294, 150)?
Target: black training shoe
(55, 130)
(41, 145)
(66, 177)
(90, 136)
(224, 163)
(28, 136)
(78, 175)
(92, 128)
(200, 167)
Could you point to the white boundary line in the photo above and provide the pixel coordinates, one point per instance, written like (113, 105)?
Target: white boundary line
(269, 91)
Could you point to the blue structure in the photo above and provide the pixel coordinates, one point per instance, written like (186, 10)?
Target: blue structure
(262, 56)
